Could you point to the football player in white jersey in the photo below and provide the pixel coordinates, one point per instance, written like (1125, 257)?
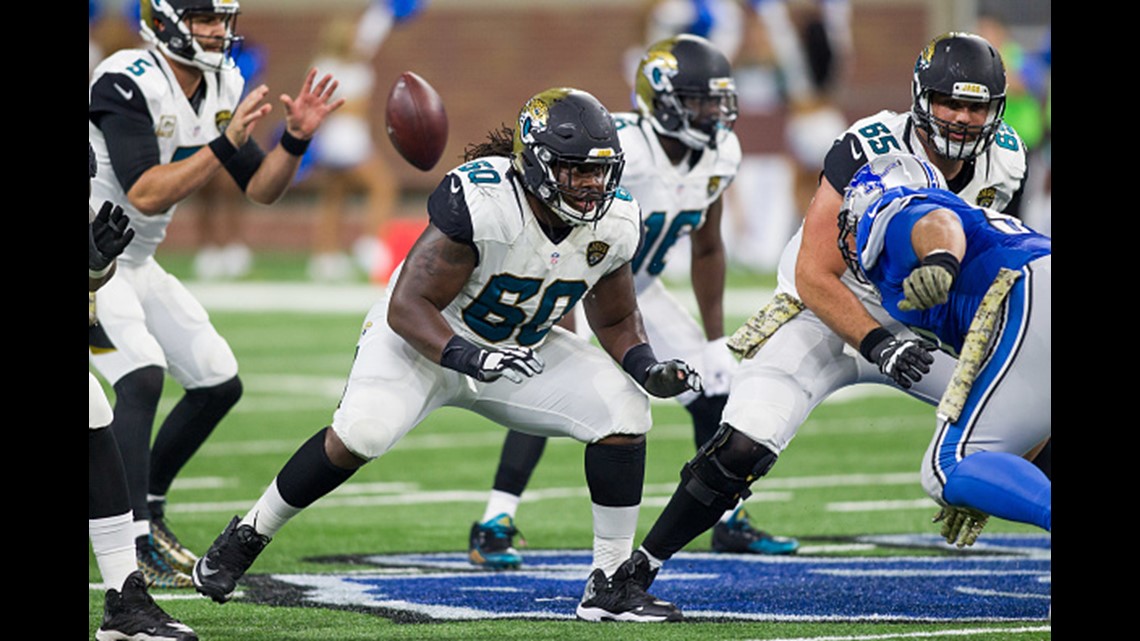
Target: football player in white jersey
(163, 121)
(824, 330)
(681, 155)
(129, 612)
(534, 222)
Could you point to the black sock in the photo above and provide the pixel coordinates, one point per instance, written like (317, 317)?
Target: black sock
(107, 493)
(706, 411)
(136, 402)
(520, 455)
(187, 426)
(309, 474)
(683, 519)
(615, 473)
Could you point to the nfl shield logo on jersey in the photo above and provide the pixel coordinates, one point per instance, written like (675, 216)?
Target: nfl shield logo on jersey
(596, 251)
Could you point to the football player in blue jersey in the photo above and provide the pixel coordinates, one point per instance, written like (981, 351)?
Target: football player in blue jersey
(164, 121)
(978, 283)
(531, 224)
(824, 330)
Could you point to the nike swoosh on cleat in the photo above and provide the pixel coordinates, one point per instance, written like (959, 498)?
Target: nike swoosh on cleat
(205, 570)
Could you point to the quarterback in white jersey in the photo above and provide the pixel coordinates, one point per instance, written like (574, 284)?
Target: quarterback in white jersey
(163, 122)
(529, 226)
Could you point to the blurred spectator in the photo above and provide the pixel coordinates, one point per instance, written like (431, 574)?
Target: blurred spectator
(813, 60)
(1027, 106)
(109, 29)
(223, 252)
(345, 161)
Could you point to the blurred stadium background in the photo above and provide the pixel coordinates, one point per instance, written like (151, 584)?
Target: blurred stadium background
(486, 57)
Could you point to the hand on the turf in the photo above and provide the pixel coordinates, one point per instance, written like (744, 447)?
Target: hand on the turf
(925, 287)
(512, 363)
(960, 525)
(107, 235)
(670, 378)
(904, 361)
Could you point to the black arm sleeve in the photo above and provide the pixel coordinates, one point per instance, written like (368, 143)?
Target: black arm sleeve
(841, 162)
(245, 163)
(447, 210)
(119, 110)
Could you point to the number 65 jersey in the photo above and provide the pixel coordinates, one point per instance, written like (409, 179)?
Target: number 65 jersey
(673, 198)
(523, 282)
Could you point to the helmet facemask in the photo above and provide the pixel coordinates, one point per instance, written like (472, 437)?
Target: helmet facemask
(957, 141)
(567, 153)
(168, 24)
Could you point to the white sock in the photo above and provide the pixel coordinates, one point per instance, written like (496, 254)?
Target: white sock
(270, 513)
(140, 528)
(654, 562)
(114, 547)
(500, 503)
(614, 528)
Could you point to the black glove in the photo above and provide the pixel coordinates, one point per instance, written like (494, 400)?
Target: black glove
(487, 365)
(904, 361)
(661, 379)
(107, 234)
(670, 378)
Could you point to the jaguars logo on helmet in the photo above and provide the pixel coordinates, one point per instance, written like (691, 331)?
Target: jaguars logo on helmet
(684, 87)
(563, 132)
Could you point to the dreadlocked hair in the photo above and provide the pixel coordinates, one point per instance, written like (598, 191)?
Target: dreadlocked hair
(500, 142)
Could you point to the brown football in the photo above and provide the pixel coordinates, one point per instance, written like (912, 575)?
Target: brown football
(416, 121)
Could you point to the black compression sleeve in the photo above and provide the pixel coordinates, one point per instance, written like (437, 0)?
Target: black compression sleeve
(244, 164)
(132, 146)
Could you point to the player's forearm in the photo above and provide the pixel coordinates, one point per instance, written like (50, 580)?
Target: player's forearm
(708, 277)
(163, 186)
(837, 307)
(273, 177)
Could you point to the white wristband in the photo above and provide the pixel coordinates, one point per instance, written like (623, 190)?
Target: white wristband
(96, 275)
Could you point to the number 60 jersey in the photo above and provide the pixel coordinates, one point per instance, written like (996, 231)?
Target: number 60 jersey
(673, 198)
(523, 282)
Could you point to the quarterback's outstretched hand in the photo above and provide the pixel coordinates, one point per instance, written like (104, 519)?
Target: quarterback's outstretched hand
(960, 525)
(308, 110)
(108, 234)
(904, 361)
(514, 363)
(670, 378)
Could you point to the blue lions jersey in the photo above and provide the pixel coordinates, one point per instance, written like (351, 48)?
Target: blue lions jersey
(993, 240)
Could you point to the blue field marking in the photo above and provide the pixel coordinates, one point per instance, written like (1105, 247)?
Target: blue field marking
(1006, 578)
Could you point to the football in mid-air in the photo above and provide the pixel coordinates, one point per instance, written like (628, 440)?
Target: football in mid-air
(416, 121)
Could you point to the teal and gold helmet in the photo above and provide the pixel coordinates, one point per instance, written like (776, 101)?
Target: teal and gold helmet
(563, 134)
(684, 86)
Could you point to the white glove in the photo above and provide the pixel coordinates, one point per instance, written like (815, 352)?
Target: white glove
(960, 525)
(718, 367)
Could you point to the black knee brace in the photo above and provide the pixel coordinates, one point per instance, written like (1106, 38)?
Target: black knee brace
(719, 475)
